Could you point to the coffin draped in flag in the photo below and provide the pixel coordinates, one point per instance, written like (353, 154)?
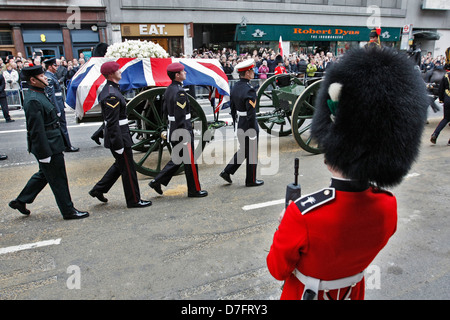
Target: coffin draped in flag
(137, 73)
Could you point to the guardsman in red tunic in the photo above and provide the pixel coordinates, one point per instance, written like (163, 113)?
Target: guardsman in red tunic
(327, 239)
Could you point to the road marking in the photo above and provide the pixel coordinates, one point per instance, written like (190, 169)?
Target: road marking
(30, 246)
(263, 204)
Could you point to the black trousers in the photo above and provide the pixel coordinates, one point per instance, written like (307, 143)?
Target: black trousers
(5, 108)
(186, 157)
(248, 150)
(53, 173)
(122, 167)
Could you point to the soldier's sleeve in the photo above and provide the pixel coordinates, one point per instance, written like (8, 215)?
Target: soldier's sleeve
(289, 241)
(36, 131)
(181, 103)
(50, 91)
(250, 105)
(111, 111)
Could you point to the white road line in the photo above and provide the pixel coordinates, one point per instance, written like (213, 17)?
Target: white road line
(29, 246)
(262, 204)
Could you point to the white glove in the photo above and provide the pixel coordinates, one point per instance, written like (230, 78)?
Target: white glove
(120, 151)
(46, 160)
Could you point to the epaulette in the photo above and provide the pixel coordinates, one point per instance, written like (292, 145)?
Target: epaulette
(311, 201)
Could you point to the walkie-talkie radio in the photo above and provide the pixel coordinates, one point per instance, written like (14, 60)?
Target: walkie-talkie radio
(293, 190)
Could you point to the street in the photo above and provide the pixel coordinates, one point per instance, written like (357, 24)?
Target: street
(200, 248)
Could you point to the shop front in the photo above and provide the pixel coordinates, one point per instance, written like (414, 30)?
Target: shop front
(309, 39)
(168, 36)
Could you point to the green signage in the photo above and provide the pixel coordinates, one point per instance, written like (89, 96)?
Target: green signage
(311, 33)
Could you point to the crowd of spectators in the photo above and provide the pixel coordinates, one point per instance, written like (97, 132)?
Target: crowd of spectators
(307, 65)
(11, 66)
(265, 59)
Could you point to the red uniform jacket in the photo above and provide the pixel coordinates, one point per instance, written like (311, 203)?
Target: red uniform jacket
(337, 236)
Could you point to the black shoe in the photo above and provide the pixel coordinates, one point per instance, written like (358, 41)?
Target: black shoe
(72, 149)
(155, 186)
(96, 139)
(75, 214)
(140, 204)
(10, 120)
(433, 139)
(18, 205)
(99, 195)
(198, 194)
(3, 157)
(257, 183)
(225, 176)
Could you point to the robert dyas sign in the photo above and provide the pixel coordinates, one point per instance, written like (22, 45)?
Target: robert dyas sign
(311, 33)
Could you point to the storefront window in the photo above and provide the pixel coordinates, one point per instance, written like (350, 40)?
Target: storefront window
(344, 46)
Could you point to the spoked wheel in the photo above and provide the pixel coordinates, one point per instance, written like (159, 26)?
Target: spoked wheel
(274, 114)
(149, 128)
(302, 115)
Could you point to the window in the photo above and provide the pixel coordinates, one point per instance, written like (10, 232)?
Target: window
(6, 38)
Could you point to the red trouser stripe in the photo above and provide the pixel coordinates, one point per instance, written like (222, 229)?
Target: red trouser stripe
(194, 170)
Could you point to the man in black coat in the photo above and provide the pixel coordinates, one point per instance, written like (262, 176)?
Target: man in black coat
(3, 101)
(177, 107)
(243, 102)
(118, 140)
(55, 94)
(46, 143)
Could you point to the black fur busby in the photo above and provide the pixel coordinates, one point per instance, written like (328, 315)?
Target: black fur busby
(370, 113)
(100, 50)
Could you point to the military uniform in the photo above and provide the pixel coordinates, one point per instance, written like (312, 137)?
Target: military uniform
(324, 238)
(118, 139)
(178, 109)
(327, 239)
(46, 143)
(55, 95)
(242, 104)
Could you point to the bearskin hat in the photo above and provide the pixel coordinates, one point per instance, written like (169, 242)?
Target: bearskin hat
(100, 50)
(370, 114)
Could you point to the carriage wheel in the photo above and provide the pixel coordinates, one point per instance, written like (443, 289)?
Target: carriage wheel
(301, 118)
(280, 121)
(147, 127)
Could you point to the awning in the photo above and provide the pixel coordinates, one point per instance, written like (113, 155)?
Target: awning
(427, 35)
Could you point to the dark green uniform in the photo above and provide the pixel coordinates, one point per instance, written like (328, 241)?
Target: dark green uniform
(45, 139)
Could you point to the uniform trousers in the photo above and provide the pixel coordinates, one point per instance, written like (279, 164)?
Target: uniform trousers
(63, 125)
(190, 168)
(248, 150)
(5, 108)
(123, 166)
(53, 173)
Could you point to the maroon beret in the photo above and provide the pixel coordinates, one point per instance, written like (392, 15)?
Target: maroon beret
(175, 67)
(109, 68)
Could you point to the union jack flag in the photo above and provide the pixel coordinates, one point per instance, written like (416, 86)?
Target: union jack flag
(88, 82)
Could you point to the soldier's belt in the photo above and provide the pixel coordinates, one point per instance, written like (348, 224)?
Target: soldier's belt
(122, 122)
(172, 118)
(58, 94)
(241, 113)
(316, 285)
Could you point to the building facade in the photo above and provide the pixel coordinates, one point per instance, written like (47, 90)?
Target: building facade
(55, 28)
(184, 26)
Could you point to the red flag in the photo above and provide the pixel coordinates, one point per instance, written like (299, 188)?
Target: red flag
(280, 47)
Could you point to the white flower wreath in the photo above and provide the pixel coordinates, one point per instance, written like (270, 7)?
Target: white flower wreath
(136, 49)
